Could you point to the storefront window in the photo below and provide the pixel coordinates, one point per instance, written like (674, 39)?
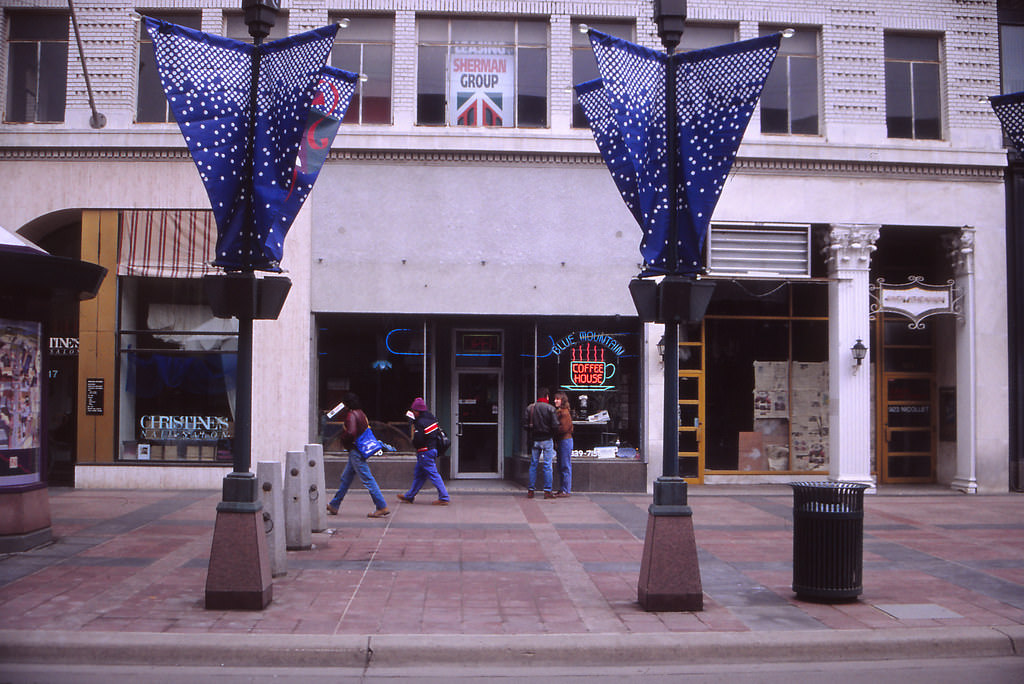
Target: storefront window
(177, 373)
(767, 379)
(597, 366)
(384, 362)
(20, 401)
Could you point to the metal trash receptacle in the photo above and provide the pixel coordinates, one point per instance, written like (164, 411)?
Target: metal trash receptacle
(828, 540)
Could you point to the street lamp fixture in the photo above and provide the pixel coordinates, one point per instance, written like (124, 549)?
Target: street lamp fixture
(670, 15)
(859, 352)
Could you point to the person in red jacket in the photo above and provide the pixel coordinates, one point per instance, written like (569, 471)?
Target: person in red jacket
(354, 421)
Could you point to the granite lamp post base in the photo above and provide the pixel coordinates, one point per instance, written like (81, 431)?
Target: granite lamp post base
(669, 571)
(239, 575)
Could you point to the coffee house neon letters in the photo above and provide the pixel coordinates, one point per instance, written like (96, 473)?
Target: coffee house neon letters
(591, 359)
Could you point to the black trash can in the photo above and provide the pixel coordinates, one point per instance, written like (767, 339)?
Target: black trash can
(828, 540)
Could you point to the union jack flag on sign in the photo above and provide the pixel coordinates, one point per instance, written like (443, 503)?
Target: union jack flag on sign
(478, 109)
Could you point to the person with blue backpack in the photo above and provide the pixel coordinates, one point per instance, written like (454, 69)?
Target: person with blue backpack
(426, 438)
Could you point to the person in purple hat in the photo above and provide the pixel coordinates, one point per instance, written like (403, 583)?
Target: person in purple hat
(424, 438)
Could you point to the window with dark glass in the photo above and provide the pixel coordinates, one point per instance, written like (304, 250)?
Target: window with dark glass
(584, 66)
(766, 345)
(37, 67)
(482, 72)
(789, 101)
(913, 107)
(596, 363)
(366, 46)
(1011, 57)
(177, 373)
(383, 362)
(151, 103)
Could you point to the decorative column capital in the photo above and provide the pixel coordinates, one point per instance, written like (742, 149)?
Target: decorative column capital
(961, 251)
(850, 245)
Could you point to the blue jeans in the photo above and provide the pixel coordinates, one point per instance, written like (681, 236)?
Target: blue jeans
(426, 469)
(547, 448)
(563, 448)
(357, 464)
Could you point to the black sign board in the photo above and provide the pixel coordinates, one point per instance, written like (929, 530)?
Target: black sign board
(94, 397)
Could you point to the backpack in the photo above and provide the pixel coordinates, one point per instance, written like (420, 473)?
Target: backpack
(444, 442)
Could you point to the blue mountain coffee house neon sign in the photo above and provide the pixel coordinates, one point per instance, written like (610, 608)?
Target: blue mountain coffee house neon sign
(592, 359)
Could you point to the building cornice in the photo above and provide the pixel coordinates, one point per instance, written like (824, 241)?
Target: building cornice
(835, 168)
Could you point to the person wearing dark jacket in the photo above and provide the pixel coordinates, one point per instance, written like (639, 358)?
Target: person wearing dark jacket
(424, 438)
(541, 421)
(353, 423)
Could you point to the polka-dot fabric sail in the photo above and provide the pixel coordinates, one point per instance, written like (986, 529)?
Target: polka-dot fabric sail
(716, 91)
(330, 102)
(1010, 111)
(207, 80)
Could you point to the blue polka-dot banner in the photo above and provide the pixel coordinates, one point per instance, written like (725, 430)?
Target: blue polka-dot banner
(1010, 110)
(716, 91)
(207, 80)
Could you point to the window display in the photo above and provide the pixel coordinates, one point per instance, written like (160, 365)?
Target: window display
(767, 381)
(178, 373)
(597, 367)
(20, 394)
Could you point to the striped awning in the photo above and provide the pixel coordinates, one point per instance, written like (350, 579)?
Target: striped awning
(167, 243)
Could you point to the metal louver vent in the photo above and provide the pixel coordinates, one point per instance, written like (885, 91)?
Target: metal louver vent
(767, 249)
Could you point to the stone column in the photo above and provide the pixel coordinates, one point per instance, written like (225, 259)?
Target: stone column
(962, 256)
(849, 259)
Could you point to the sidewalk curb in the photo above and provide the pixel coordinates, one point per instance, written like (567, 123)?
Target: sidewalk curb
(394, 650)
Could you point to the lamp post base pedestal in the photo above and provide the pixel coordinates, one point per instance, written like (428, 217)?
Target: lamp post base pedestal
(669, 571)
(239, 576)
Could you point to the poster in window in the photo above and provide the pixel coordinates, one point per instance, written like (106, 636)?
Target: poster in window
(771, 389)
(20, 392)
(481, 86)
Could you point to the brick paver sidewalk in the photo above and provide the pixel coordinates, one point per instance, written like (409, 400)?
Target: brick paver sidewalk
(497, 563)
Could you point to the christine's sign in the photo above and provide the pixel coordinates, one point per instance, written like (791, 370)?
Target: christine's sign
(481, 86)
(592, 360)
(189, 428)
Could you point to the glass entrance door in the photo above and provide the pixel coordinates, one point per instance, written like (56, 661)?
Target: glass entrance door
(476, 447)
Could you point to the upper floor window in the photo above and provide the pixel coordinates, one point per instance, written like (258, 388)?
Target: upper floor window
(37, 67)
(151, 103)
(584, 66)
(789, 101)
(365, 46)
(1011, 56)
(701, 36)
(482, 72)
(912, 90)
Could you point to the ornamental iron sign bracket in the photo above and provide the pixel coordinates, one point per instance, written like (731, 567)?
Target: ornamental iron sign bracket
(916, 300)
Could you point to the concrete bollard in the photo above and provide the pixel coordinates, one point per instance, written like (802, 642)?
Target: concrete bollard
(317, 487)
(271, 490)
(297, 528)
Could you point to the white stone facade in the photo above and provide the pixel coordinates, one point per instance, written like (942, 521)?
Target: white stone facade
(398, 208)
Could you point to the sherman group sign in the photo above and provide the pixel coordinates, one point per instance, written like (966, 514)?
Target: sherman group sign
(481, 86)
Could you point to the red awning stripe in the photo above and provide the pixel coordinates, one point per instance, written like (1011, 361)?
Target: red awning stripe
(167, 243)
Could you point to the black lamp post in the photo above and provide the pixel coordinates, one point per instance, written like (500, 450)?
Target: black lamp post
(669, 574)
(239, 572)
